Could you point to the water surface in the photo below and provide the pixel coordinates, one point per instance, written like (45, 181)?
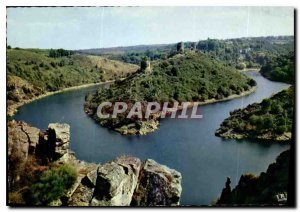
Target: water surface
(187, 145)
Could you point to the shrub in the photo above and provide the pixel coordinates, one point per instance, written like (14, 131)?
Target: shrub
(254, 119)
(53, 64)
(174, 71)
(252, 82)
(53, 184)
(240, 66)
(281, 129)
(268, 121)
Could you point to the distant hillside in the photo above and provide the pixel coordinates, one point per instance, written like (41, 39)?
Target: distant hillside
(280, 68)
(32, 72)
(185, 77)
(127, 49)
(239, 52)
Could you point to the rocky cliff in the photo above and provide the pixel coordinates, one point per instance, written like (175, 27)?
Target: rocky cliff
(270, 188)
(125, 181)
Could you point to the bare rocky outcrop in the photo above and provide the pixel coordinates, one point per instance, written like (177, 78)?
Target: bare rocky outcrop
(125, 181)
(158, 185)
(22, 139)
(226, 193)
(116, 182)
(59, 135)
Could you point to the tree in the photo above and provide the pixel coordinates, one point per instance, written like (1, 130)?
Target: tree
(174, 71)
(253, 119)
(266, 103)
(252, 82)
(53, 184)
(268, 121)
(276, 108)
(281, 129)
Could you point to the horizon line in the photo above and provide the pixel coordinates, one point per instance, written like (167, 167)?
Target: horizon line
(153, 44)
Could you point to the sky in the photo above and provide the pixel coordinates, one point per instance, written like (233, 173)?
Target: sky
(99, 27)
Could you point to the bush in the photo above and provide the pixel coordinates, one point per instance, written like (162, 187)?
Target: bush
(254, 119)
(252, 82)
(268, 121)
(281, 129)
(240, 66)
(174, 71)
(53, 184)
(53, 64)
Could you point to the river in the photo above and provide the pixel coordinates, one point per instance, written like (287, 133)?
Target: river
(187, 145)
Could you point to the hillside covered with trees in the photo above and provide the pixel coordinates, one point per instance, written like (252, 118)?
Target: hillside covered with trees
(33, 72)
(239, 52)
(189, 77)
(271, 119)
(280, 68)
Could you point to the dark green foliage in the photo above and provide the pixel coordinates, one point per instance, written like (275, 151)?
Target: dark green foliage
(254, 52)
(144, 64)
(185, 77)
(53, 184)
(272, 117)
(281, 68)
(55, 53)
(193, 74)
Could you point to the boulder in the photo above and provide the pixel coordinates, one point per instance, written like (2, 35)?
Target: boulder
(125, 181)
(158, 186)
(59, 136)
(90, 179)
(22, 139)
(116, 182)
(33, 137)
(82, 196)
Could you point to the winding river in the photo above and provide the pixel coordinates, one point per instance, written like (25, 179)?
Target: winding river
(187, 145)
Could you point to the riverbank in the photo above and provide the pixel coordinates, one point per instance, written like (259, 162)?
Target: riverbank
(148, 126)
(270, 120)
(13, 108)
(250, 69)
(189, 140)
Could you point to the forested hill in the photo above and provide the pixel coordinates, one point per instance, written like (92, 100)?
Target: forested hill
(240, 52)
(280, 68)
(271, 119)
(184, 77)
(32, 72)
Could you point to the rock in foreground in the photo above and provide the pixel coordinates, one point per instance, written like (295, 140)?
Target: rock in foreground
(158, 185)
(125, 181)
